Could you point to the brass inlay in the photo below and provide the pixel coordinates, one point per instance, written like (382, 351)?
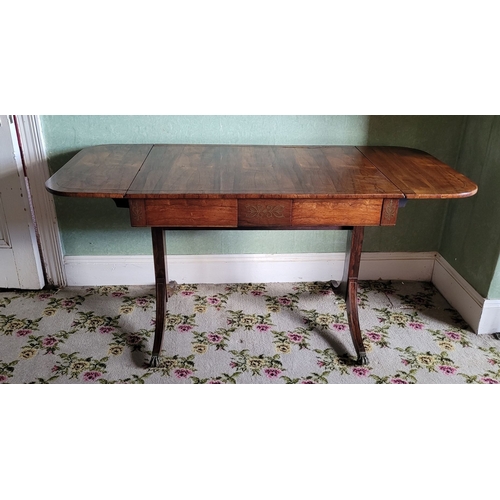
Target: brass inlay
(269, 211)
(390, 209)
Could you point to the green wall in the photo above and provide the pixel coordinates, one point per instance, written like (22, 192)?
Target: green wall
(471, 236)
(96, 227)
(494, 291)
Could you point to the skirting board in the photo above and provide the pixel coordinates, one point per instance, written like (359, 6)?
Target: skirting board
(482, 315)
(245, 268)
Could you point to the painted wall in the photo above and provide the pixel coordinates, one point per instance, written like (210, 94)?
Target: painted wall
(96, 227)
(494, 291)
(471, 236)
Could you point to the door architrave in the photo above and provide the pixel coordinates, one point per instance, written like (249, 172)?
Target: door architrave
(37, 172)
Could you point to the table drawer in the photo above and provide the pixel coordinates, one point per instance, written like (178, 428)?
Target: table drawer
(264, 213)
(184, 213)
(345, 212)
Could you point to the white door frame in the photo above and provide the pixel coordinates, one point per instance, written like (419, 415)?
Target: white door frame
(37, 172)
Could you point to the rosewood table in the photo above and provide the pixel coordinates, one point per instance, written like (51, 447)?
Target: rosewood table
(259, 187)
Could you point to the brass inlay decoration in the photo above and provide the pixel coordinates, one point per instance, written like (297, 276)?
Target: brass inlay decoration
(267, 211)
(137, 210)
(390, 209)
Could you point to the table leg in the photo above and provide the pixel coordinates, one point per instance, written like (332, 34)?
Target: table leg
(161, 291)
(349, 288)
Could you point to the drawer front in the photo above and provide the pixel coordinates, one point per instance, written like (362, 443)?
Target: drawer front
(264, 213)
(346, 212)
(184, 213)
(272, 213)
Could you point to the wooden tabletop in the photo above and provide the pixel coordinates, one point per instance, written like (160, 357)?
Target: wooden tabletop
(230, 171)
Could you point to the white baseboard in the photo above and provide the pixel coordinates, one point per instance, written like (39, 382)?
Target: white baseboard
(458, 292)
(409, 266)
(490, 317)
(244, 268)
(481, 314)
(138, 269)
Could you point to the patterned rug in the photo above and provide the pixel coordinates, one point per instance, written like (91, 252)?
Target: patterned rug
(286, 333)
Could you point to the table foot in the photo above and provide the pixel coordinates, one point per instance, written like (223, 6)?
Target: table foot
(154, 362)
(335, 284)
(362, 360)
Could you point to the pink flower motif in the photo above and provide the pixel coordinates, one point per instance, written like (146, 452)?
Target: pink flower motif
(340, 327)
(272, 372)
(405, 362)
(374, 336)
(214, 382)
(23, 332)
(90, 376)
(307, 382)
(489, 380)
(263, 328)
(184, 328)
(398, 381)
(233, 364)
(182, 373)
(321, 364)
(294, 337)
(117, 294)
(141, 302)
(360, 371)
(415, 325)
(256, 293)
(44, 296)
(452, 335)
(284, 301)
(215, 338)
(492, 362)
(213, 300)
(105, 329)
(187, 293)
(68, 303)
(449, 370)
(3, 378)
(49, 341)
(54, 368)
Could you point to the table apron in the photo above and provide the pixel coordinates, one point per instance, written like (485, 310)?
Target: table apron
(279, 213)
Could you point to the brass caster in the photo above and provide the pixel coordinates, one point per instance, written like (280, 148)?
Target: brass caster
(362, 360)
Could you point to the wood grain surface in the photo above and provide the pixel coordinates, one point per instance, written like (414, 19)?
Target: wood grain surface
(347, 212)
(191, 213)
(259, 172)
(418, 174)
(218, 171)
(99, 171)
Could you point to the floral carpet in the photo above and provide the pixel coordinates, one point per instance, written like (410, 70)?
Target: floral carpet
(285, 333)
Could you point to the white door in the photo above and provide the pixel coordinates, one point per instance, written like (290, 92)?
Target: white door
(20, 265)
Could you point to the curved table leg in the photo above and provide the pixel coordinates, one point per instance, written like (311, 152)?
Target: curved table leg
(161, 291)
(349, 289)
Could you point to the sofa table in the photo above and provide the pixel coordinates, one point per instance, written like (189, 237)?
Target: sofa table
(169, 186)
